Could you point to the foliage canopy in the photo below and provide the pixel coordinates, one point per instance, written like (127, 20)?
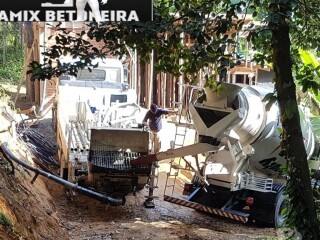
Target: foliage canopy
(278, 31)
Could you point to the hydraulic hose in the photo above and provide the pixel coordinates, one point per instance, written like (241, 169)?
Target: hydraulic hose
(72, 186)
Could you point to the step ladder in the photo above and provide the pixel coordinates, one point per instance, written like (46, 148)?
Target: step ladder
(183, 123)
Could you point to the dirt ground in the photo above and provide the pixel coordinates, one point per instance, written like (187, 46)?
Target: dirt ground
(44, 211)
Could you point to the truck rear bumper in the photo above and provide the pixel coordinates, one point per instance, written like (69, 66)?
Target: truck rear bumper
(200, 207)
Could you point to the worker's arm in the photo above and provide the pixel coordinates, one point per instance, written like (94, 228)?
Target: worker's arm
(168, 112)
(172, 112)
(145, 119)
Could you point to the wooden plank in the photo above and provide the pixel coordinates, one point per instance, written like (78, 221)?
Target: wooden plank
(23, 74)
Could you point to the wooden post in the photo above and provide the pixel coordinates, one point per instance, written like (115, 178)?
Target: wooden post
(159, 92)
(150, 89)
(36, 57)
(170, 97)
(23, 74)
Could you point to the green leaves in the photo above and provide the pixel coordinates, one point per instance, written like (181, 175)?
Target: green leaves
(308, 73)
(195, 31)
(270, 98)
(213, 85)
(308, 58)
(290, 108)
(12, 51)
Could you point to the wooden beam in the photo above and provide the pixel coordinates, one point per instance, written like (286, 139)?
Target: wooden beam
(23, 75)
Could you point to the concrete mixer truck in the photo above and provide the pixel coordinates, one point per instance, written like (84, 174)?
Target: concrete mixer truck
(240, 177)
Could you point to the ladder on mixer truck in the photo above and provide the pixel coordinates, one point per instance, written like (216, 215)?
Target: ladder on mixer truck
(183, 123)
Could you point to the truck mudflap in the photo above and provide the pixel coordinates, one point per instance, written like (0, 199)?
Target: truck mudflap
(200, 207)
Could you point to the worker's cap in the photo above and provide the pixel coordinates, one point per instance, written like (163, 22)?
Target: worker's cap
(154, 108)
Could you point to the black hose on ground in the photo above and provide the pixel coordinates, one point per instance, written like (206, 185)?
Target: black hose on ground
(84, 191)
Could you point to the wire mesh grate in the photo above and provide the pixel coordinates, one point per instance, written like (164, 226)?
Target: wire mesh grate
(117, 159)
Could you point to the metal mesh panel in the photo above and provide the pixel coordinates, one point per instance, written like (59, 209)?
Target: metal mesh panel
(110, 158)
(256, 182)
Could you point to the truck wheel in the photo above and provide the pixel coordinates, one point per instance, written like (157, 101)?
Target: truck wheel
(269, 206)
(280, 205)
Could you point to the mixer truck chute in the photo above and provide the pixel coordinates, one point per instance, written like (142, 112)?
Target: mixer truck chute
(240, 178)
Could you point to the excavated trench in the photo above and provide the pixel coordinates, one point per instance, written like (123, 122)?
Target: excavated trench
(45, 210)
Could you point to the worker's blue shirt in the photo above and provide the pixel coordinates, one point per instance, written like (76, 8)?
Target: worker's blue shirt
(155, 121)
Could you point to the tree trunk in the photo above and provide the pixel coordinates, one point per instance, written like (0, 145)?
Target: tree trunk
(301, 208)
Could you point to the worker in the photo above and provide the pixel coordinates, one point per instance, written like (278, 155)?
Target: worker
(94, 5)
(153, 119)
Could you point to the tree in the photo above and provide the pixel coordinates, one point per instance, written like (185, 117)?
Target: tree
(199, 20)
(283, 19)
(207, 23)
(298, 169)
(11, 49)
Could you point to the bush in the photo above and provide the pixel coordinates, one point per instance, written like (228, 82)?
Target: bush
(4, 220)
(11, 71)
(11, 51)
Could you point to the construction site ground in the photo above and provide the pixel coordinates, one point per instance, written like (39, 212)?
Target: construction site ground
(43, 210)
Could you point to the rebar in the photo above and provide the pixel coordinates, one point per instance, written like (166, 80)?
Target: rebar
(38, 145)
(87, 192)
